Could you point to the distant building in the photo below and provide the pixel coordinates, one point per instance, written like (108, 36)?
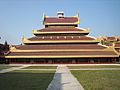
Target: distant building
(4, 49)
(61, 41)
(113, 41)
(109, 40)
(117, 48)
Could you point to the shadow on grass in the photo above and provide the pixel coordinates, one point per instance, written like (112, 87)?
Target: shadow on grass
(25, 80)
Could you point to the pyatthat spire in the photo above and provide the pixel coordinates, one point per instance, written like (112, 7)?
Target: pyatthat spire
(78, 14)
(60, 14)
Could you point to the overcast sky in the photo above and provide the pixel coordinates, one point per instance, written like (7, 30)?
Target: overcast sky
(19, 17)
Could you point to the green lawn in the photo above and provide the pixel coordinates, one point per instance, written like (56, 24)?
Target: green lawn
(98, 79)
(41, 67)
(101, 66)
(5, 67)
(26, 80)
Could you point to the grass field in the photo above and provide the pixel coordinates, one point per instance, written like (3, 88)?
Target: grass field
(101, 66)
(26, 80)
(41, 67)
(5, 67)
(98, 80)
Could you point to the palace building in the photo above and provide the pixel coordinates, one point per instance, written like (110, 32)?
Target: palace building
(61, 41)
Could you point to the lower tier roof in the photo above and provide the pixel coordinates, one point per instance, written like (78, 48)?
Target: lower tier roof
(59, 46)
(59, 54)
(117, 45)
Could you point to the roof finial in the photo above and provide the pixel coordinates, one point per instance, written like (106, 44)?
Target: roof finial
(78, 14)
(60, 14)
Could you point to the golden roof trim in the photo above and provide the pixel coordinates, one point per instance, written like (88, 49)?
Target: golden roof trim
(79, 32)
(25, 40)
(71, 56)
(61, 50)
(76, 16)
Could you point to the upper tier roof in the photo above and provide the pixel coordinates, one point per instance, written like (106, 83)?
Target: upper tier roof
(58, 21)
(61, 30)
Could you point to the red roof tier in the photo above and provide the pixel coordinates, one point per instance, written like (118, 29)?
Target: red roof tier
(61, 20)
(117, 45)
(68, 53)
(60, 29)
(111, 38)
(43, 38)
(60, 46)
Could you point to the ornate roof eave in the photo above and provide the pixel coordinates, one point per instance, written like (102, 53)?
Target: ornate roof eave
(71, 56)
(75, 23)
(116, 43)
(62, 50)
(63, 32)
(26, 41)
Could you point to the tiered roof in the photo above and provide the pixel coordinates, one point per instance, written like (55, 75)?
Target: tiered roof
(109, 40)
(57, 21)
(117, 47)
(73, 30)
(62, 54)
(61, 38)
(60, 47)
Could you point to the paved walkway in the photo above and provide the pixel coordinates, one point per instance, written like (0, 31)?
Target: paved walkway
(96, 69)
(64, 80)
(13, 68)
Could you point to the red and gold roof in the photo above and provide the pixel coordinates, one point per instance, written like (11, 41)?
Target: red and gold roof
(61, 51)
(61, 31)
(61, 21)
(61, 42)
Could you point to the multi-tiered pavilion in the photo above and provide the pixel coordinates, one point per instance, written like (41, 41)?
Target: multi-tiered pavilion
(61, 41)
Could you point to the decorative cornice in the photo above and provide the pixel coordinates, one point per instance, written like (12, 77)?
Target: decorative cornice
(62, 23)
(62, 50)
(71, 56)
(26, 41)
(63, 32)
